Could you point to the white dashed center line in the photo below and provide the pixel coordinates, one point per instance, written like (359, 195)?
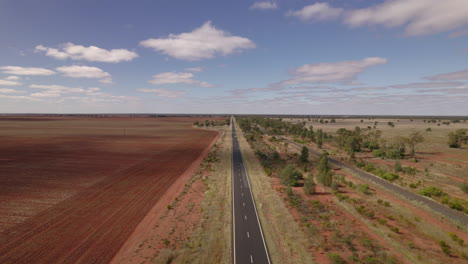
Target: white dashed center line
(251, 259)
(245, 217)
(243, 204)
(248, 235)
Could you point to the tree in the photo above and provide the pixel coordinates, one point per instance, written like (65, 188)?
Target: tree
(398, 167)
(319, 143)
(304, 154)
(309, 184)
(324, 171)
(414, 139)
(457, 139)
(290, 176)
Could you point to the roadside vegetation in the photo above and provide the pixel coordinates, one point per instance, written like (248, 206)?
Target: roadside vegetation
(356, 225)
(355, 145)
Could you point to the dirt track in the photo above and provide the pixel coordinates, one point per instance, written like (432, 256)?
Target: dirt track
(73, 214)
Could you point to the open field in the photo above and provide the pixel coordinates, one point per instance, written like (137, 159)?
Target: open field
(73, 189)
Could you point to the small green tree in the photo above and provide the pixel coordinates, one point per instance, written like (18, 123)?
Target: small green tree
(457, 138)
(290, 176)
(324, 171)
(304, 154)
(309, 184)
(398, 167)
(319, 143)
(414, 139)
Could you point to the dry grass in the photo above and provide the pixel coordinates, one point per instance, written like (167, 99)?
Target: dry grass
(211, 241)
(286, 242)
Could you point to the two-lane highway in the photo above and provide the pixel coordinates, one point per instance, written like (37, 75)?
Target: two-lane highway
(249, 244)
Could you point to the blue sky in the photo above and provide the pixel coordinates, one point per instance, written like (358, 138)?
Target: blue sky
(401, 57)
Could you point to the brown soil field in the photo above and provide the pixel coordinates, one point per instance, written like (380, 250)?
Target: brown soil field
(73, 189)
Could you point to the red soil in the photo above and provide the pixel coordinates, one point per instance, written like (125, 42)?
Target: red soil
(147, 238)
(73, 191)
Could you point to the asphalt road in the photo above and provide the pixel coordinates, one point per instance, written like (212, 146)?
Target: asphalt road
(435, 206)
(248, 242)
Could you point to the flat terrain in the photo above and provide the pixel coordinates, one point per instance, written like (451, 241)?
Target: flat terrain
(437, 164)
(73, 189)
(354, 219)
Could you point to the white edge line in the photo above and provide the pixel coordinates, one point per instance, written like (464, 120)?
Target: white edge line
(233, 213)
(255, 207)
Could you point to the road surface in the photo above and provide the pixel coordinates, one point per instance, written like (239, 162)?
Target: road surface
(435, 206)
(248, 242)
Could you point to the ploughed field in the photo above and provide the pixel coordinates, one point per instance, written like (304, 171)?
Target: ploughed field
(73, 189)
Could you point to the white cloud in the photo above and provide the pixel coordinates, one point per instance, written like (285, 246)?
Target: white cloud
(3, 90)
(45, 95)
(85, 72)
(428, 85)
(317, 11)
(57, 88)
(106, 80)
(163, 92)
(177, 78)
(195, 69)
(91, 53)
(9, 83)
(264, 5)
(25, 71)
(205, 42)
(420, 17)
(12, 78)
(337, 72)
(451, 76)
(19, 97)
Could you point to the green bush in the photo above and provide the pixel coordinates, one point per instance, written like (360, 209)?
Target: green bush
(369, 168)
(445, 248)
(309, 185)
(390, 176)
(335, 258)
(364, 188)
(464, 187)
(432, 191)
(410, 170)
(379, 153)
(398, 167)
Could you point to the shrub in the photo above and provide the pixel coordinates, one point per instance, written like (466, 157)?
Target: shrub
(369, 168)
(335, 186)
(395, 229)
(390, 176)
(309, 185)
(428, 129)
(290, 176)
(394, 154)
(335, 258)
(364, 188)
(398, 167)
(379, 153)
(445, 248)
(410, 170)
(464, 187)
(431, 191)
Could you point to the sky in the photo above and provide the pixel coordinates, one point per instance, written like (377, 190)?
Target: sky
(361, 57)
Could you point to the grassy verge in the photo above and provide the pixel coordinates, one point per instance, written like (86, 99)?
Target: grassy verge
(211, 240)
(286, 242)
